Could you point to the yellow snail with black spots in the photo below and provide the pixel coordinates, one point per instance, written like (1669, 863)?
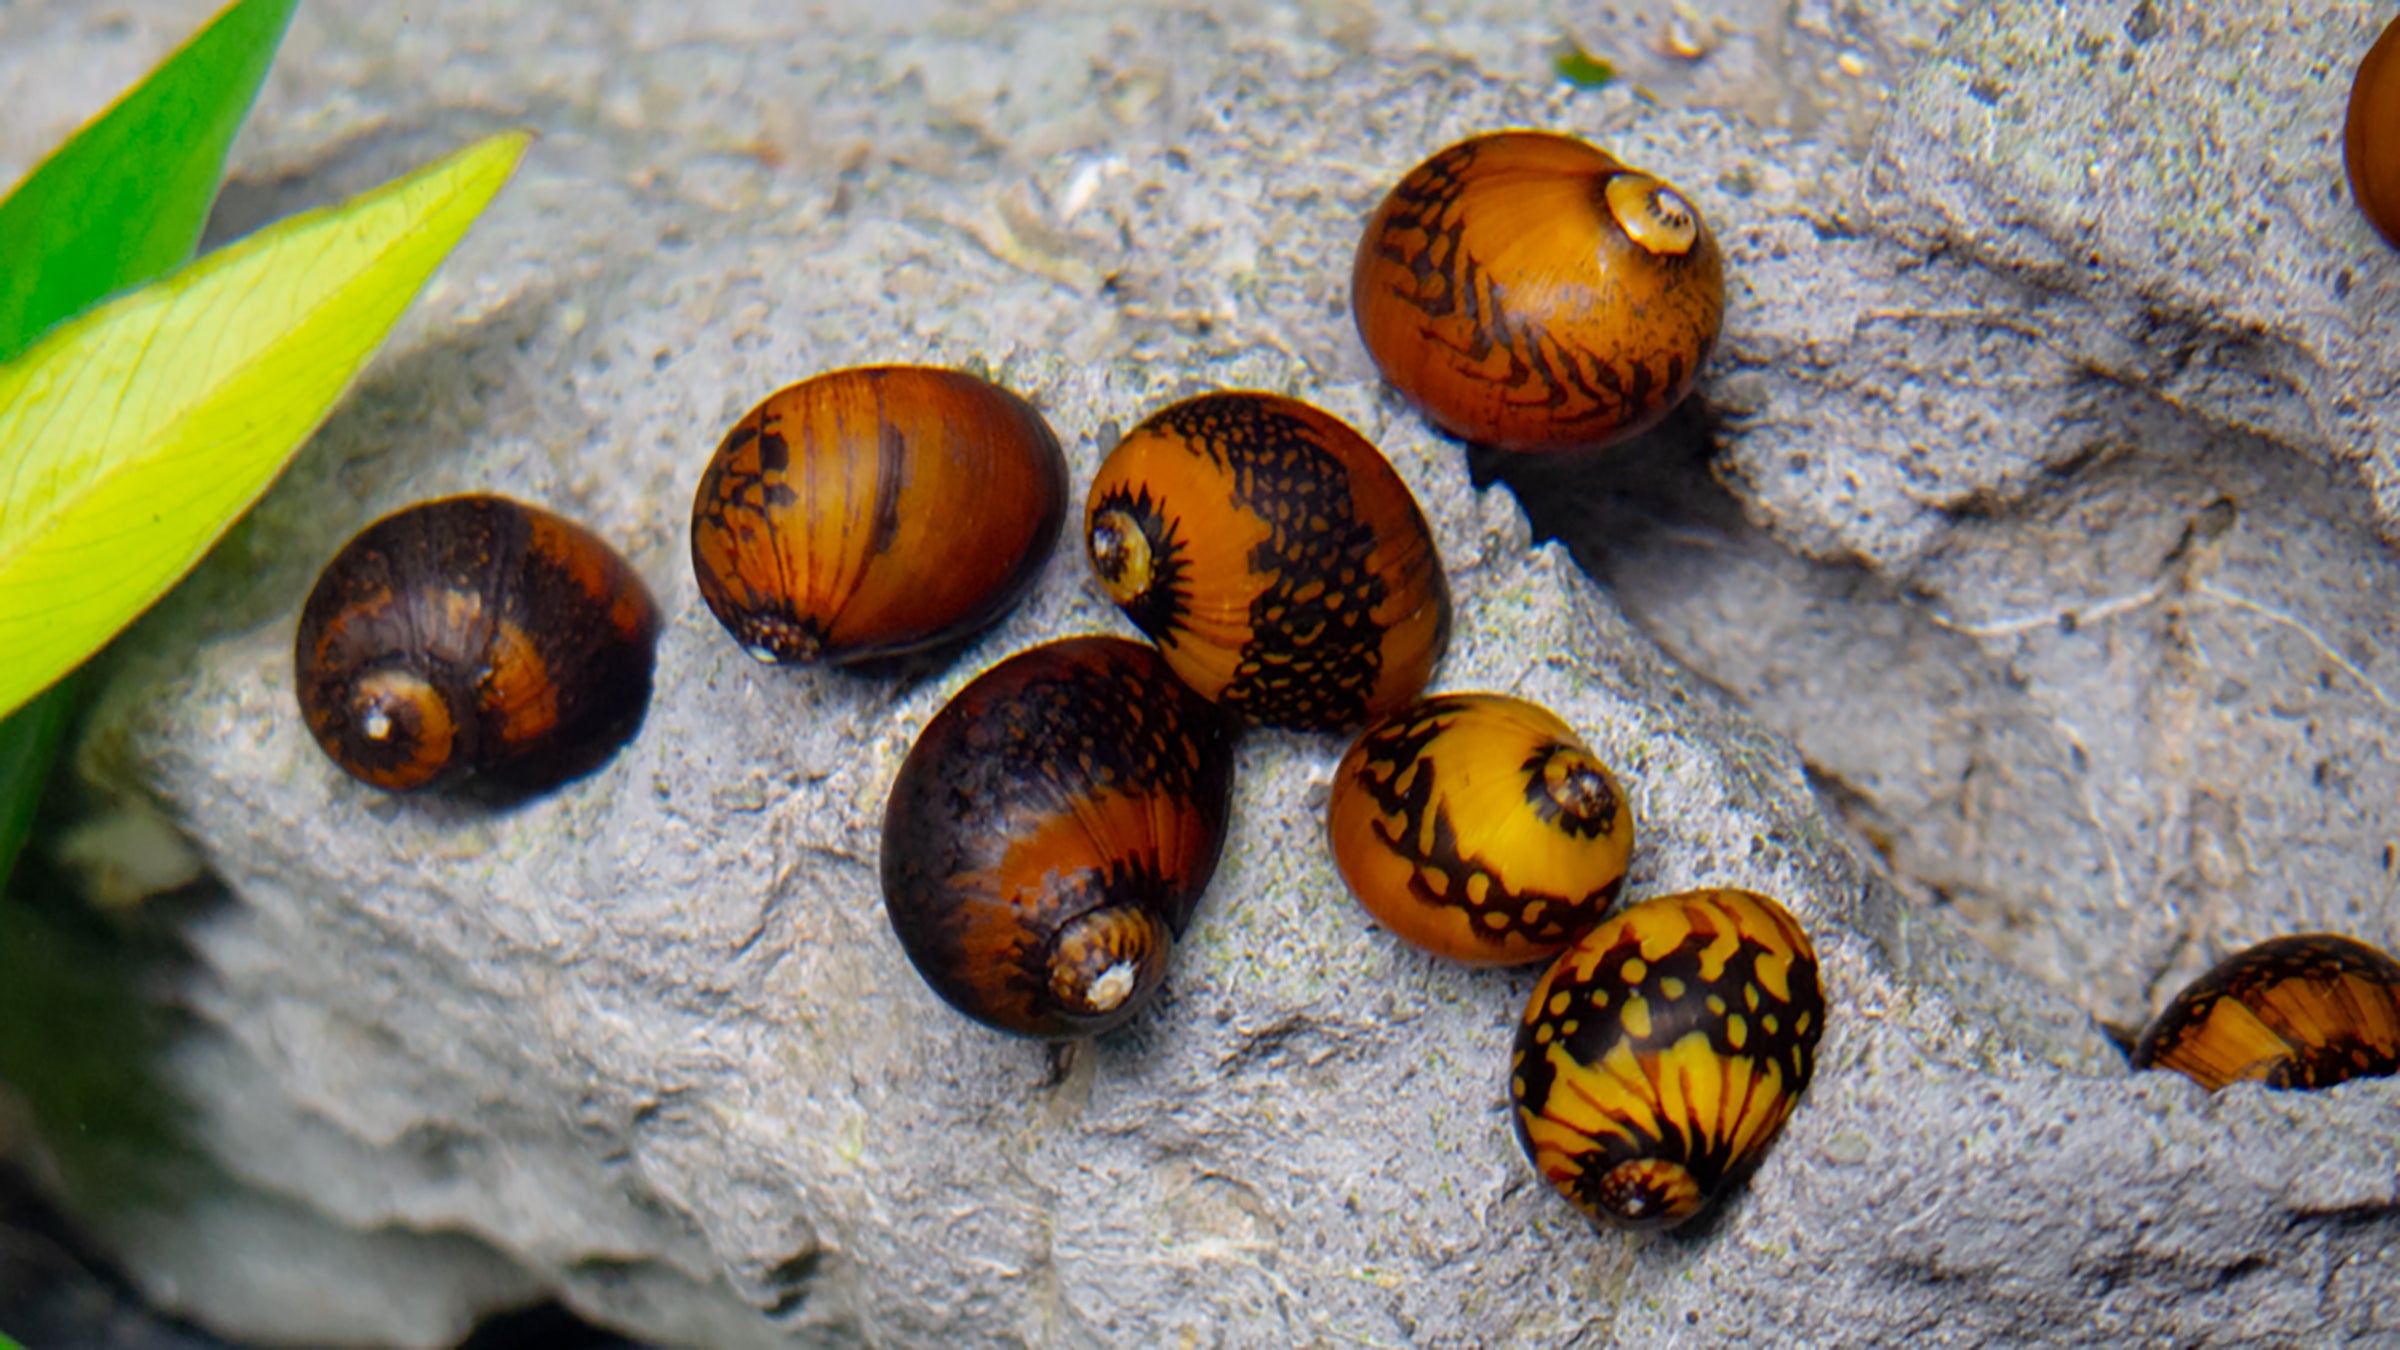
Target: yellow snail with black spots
(1661, 1053)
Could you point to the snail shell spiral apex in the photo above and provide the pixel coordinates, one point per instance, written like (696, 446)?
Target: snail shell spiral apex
(474, 638)
(1051, 831)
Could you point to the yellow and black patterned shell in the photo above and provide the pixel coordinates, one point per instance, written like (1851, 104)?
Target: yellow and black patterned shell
(1527, 291)
(2293, 1012)
(474, 638)
(1276, 559)
(1050, 833)
(1661, 1053)
(1479, 828)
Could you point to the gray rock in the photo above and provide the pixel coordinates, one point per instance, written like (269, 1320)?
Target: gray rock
(647, 1043)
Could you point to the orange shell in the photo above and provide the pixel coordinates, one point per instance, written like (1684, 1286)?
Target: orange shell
(2293, 1012)
(1478, 827)
(1274, 556)
(1527, 291)
(2371, 136)
(874, 512)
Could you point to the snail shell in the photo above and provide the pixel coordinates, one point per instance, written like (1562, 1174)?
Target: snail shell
(1527, 291)
(1662, 1052)
(1479, 828)
(874, 512)
(474, 637)
(2293, 1012)
(1050, 833)
(2371, 136)
(1274, 556)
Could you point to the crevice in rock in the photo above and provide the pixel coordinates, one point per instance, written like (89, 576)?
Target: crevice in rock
(2072, 719)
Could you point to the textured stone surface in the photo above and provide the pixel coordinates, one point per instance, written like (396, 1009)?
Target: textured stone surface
(2098, 654)
(647, 1044)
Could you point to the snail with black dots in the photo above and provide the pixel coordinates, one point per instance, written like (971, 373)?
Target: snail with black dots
(474, 638)
(1274, 556)
(1661, 1053)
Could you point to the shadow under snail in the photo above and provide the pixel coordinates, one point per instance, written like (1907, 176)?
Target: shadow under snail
(1051, 831)
(2371, 135)
(1526, 291)
(474, 638)
(2292, 1012)
(1274, 556)
(1662, 1052)
(874, 512)
(1478, 827)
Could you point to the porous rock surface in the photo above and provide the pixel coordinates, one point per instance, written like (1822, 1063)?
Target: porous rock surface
(646, 1045)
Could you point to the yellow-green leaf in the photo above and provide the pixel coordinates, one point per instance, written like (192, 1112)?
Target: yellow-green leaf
(133, 436)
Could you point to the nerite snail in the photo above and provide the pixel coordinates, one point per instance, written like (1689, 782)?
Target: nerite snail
(1274, 556)
(1050, 832)
(1527, 291)
(1478, 827)
(1662, 1052)
(474, 637)
(874, 512)
(2294, 1012)
(2371, 134)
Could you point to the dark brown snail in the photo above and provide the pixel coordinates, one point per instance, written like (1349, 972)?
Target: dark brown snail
(1050, 833)
(1274, 556)
(1479, 828)
(1526, 291)
(875, 512)
(474, 637)
(1662, 1052)
(2293, 1012)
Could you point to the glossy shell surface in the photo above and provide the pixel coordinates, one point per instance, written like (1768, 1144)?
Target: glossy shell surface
(2294, 1012)
(2371, 134)
(1274, 556)
(874, 512)
(1527, 291)
(1662, 1052)
(474, 637)
(1050, 833)
(1479, 827)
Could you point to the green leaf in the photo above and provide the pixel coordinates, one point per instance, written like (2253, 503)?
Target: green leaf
(125, 199)
(132, 437)
(28, 743)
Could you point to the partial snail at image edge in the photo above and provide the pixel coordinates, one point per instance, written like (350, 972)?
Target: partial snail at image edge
(2371, 135)
(2302, 1012)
